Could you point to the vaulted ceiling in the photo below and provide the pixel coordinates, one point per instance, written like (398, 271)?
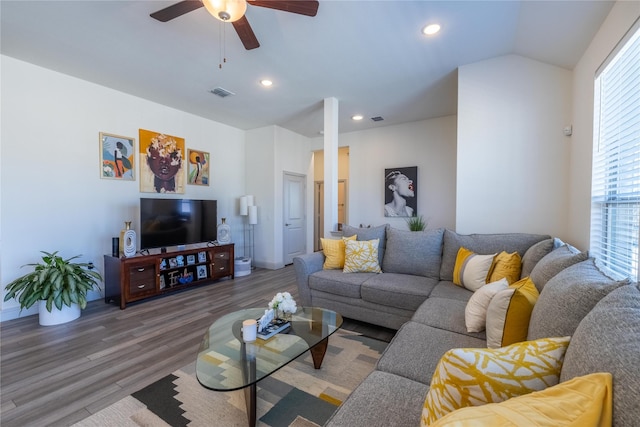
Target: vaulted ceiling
(370, 55)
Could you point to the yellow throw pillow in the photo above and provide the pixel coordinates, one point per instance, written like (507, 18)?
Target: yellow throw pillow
(509, 313)
(581, 402)
(471, 270)
(506, 265)
(476, 376)
(361, 256)
(334, 252)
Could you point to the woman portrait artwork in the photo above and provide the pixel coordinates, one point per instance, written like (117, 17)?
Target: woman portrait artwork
(400, 191)
(198, 167)
(116, 157)
(161, 163)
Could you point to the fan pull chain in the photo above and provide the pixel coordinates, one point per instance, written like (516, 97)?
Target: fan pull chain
(223, 45)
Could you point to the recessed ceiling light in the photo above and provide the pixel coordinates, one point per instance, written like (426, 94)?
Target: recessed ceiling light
(357, 117)
(266, 82)
(431, 29)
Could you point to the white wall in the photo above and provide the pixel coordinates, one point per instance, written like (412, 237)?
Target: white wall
(272, 151)
(620, 19)
(51, 194)
(429, 144)
(512, 154)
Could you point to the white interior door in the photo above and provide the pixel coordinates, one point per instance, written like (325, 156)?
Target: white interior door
(294, 235)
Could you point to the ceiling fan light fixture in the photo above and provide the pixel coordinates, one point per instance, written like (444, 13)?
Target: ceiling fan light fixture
(226, 10)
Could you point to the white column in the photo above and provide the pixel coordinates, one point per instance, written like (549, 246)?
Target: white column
(330, 165)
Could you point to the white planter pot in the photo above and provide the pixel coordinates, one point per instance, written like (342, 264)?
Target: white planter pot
(57, 317)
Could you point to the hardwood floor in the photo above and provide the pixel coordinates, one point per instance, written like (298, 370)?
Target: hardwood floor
(58, 375)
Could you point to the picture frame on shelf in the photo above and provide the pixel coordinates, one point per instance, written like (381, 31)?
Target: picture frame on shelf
(191, 259)
(202, 256)
(201, 272)
(117, 157)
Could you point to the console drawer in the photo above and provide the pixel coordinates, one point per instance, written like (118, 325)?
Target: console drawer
(142, 279)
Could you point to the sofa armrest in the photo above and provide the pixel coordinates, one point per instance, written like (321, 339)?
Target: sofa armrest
(305, 265)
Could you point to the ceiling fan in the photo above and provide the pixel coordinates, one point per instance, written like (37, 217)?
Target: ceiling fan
(233, 11)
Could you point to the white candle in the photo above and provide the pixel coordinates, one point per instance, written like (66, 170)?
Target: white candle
(249, 330)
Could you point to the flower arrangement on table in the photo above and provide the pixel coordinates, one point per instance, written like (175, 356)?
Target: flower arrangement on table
(283, 305)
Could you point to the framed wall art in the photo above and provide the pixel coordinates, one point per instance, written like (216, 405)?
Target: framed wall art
(161, 163)
(117, 157)
(400, 191)
(198, 173)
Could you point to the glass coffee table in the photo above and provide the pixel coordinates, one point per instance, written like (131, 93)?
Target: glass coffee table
(226, 363)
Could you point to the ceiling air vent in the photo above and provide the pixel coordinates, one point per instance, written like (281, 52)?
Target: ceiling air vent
(222, 93)
(377, 118)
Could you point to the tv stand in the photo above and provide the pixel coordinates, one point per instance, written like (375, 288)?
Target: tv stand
(144, 276)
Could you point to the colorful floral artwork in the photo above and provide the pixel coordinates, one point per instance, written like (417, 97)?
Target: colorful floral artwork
(117, 157)
(161, 163)
(198, 167)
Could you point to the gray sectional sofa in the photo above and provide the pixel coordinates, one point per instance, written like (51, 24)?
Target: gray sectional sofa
(415, 294)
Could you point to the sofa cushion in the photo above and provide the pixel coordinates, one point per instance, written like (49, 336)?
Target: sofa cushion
(553, 263)
(568, 297)
(444, 313)
(583, 401)
(382, 399)
(361, 257)
(336, 282)
(506, 265)
(534, 254)
(398, 290)
(509, 313)
(419, 348)
(446, 289)
(482, 244)
(334, 250)
(472, 270)
(413, 252)
(476, 376)
(608, 340)
(363, 234)
(475, 312)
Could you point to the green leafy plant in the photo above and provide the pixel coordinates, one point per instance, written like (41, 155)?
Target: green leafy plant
(417, 223)
(55, 280)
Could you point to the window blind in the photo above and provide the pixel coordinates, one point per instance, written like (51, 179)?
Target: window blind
(615, 194)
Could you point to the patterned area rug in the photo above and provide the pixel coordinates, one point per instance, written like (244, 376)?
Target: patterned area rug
(297, 395)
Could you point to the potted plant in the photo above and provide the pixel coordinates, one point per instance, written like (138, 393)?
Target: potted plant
(59, 285)
(417, 223)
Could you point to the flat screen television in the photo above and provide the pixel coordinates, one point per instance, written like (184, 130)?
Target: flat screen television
(174, 222)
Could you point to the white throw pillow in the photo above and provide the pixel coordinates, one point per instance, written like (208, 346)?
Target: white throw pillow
(475, 314)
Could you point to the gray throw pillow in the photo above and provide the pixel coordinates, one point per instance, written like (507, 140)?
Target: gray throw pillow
(413, 252)
(608, 340)
(568, 297)
(379, 232)
(533, 255)
(553, 263)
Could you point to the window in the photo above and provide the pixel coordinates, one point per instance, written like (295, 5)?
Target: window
(615, 194)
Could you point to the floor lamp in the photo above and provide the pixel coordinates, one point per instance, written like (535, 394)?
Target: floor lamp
(253, 220)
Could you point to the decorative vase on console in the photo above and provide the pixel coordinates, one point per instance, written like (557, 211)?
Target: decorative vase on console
(128, 240)
(224, 232)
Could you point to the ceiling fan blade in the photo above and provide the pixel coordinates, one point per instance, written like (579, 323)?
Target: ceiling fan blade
(175, 10)
(246, 34)
(302, 7)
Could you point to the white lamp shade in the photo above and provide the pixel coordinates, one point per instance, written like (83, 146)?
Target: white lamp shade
(249, 200)
(244, 206)
(253, 214)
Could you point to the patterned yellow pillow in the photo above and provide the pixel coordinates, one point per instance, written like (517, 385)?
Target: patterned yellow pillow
(509, 313)
(334, 252)
(472, 270)
(506, 265)
(361, 256)
(476, 376)
(582, 401)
